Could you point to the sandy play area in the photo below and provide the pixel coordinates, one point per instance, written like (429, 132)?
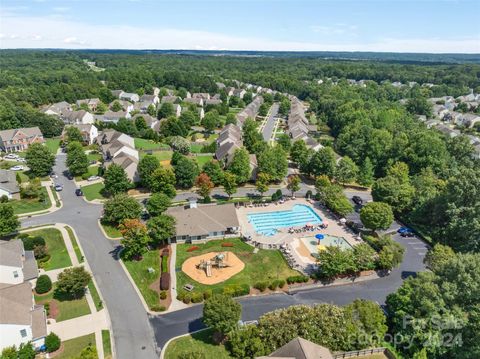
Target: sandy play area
(235, 265)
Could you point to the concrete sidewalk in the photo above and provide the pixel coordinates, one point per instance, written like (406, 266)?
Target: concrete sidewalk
(176, 304)
(53, 207)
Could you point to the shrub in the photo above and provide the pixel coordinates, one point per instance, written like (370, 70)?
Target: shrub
(273, 285)
(44, 259)
(158, 308)
(47, 308)
(281, 283)
(4, 198)
(165, 252)
(227, 244)
(44, 284)
(165, 281)
(85, 176)
(165, 264)
(187, 298)
(297, 279)
(180, 295)
(236, 290)
(197, 297)
(207, 199)
(163, 294)
(52, 342)
(207, 294)
(30, 242)
(193, 248)
(261, 286)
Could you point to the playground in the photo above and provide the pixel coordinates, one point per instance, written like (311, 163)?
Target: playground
(212, 267)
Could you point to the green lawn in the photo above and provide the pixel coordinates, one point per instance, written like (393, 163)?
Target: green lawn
(142, 278)
(203, 159)
(196, 148)
(76, 248)
(161, 155)
(59, 257)
(266, 265)
(53, 144)
(73, 347)
(107, 345)
(93, 191)
(111, 230)
(200, 342)
(95, 296)
(21, 206)
(56, 197)
(94, 156)
(141, 144)
(67, 309)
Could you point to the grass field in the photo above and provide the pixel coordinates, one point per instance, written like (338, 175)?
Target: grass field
(196, 148)
(56, 197)
(107, 345)
(53, 144)
(93, 191)
(73, 347)
(95, 296)
(21, 206)
(200, 342)
(266, 265)
(142, 278)
(161, 155)
(94, 156)
(202, 159)
(59, 257)
(76, 248)
(67, 309)
(92, 171)
(111, 230)
(141, 144)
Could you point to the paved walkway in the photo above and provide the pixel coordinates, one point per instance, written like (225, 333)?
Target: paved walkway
(176, 304)
(53, 207)
(84, 325)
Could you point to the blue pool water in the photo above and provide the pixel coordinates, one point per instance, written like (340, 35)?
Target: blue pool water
(267, 223)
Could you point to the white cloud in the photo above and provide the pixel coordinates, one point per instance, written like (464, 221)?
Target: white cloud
(337, 29)
(51, 32)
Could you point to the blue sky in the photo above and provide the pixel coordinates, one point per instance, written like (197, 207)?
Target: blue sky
(376, 25)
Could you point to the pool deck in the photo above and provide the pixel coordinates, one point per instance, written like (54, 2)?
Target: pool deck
(282, 236)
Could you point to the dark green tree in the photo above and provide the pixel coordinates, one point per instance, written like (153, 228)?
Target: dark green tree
(116, 180)
(39, 159)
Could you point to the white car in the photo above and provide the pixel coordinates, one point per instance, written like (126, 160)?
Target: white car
(93, 178)
(17, 168)
(11, 156)
(58, 187)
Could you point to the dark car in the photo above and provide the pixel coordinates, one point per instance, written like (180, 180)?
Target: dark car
(357, 200)
(79, 192)
(357, 227)
(69, 176)
(407, 234)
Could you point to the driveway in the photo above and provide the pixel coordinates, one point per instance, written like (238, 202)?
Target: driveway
(132, 333)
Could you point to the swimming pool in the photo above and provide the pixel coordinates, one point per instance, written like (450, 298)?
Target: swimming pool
(268, 223)
(312, 243)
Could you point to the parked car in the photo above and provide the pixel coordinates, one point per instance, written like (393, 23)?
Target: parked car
(407, 234)
(357, 227)
(69, 176)
(58, 187)
(357, 200)
(53, 175)
(79, 192)
(11, 156)
(404, 230)
(17, 168)
(92, 178)
(23, 160)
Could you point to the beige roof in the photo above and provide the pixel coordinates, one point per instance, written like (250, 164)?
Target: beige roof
(204, 219)
(28, 131)
(8, 181)
(300, 348)
(16, 303)
(11, 253)
(124, 160)
(39, 322)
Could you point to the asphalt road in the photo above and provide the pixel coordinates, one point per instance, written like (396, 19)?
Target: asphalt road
(132, 333)
(270, 124)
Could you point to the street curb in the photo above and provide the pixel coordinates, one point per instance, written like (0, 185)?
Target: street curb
(51, 209)
(105, 234)
(162, 353)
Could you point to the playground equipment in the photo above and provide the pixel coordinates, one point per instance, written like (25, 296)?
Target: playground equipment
(219, 262)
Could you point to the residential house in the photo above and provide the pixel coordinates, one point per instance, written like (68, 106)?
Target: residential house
(92, 103)
(112, 116)
(78, 117)
(89, 132)
(470, 119)
(229, 90)
(119, 148)
(432, 123)
(57, 109)
(195, 223)
(203, 95)
(300, 348)
(117, 93)
(217, 96)
(250, 111)
(170, 99)
(194, 100)
(152, 99)
(132, 97)
(239, 93)
(440, 111)
(20, 139)
(150, 121)
(21, 320)
(467, 98)
(448, 131)
(213, 102)
(299, 127)
(156, 91)
(177, 109)
(8, 184)
(142, 106)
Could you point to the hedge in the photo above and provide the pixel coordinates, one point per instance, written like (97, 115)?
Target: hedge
(44, 284)
(158, 308)
(187, 298)
(207, 294)
(165, 264)
(197, 297)
(261, 286)
(236, 290)
(163, 294)
(297, 279)
(165, 281)
(30, 242)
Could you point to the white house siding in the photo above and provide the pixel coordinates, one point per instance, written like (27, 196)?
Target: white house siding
(5, 193)
(10, 334)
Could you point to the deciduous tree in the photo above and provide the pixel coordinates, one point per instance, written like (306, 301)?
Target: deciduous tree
(116, 180)
(221, 313)
(39, 159)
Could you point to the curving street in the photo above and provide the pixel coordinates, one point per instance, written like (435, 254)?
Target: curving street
(136, 335)
(133, 336)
